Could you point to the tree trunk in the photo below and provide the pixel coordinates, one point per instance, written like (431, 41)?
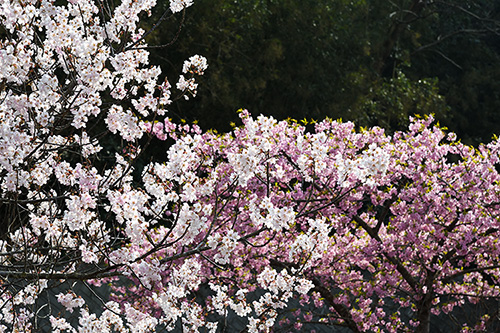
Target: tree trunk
(424, 315)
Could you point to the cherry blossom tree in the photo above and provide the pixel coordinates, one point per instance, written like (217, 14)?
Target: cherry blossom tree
(285, 227)
(384, 232)
(79, 104)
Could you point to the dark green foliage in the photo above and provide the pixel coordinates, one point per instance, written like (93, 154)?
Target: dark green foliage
(372, 61)
(389, 104)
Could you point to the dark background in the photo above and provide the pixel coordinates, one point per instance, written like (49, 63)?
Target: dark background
(374, 62)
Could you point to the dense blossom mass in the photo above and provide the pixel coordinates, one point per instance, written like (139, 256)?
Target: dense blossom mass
(281, 226)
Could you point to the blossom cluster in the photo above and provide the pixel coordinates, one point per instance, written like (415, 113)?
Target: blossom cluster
(196, 65)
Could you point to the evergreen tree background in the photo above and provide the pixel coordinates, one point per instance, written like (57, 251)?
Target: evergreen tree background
(374, 62)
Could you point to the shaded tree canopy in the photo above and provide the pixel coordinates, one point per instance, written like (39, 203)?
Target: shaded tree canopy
(373, 62)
